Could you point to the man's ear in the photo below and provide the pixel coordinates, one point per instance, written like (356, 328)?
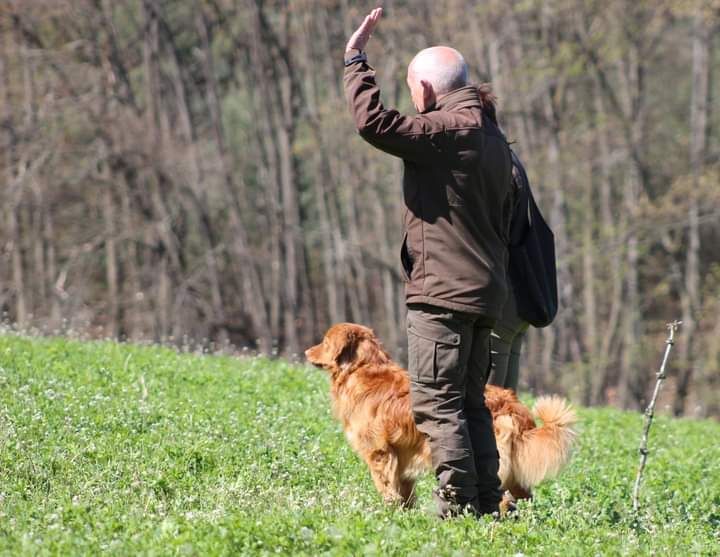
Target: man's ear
(428, 94)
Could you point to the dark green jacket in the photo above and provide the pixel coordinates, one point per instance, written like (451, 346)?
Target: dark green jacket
(457, 193)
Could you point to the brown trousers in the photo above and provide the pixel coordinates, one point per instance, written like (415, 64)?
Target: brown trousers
(448, 363)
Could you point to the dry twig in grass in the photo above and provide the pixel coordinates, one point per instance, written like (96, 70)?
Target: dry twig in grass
(650, 412)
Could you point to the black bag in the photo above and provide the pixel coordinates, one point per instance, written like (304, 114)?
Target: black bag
(531, 268)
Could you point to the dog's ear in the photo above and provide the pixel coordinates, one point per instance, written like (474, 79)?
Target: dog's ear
(344, 347)
(360, 347)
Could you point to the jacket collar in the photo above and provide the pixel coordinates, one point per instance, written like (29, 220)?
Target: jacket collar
(464, 97)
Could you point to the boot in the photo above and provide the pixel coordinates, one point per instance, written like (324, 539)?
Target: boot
(450, 504)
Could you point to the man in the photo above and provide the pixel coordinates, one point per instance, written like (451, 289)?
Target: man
(458, 199)
(509, 332)
(506, 346)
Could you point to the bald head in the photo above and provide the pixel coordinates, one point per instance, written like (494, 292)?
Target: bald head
(441, 66)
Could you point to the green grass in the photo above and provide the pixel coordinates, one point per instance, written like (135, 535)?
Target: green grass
(124, 450)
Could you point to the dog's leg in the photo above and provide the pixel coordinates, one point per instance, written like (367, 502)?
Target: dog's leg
(503, 438)
(507, 503)
(520, 492)
(407, 492)
(383, 465)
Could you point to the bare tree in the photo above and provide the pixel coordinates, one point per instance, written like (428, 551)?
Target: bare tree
(691, 294)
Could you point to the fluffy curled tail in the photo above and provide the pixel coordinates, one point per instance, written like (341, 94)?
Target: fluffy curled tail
(542, 452)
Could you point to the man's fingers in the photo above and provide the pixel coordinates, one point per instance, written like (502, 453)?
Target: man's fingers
(360, 37)
(371, 20)
(364, 28)
(375, 17)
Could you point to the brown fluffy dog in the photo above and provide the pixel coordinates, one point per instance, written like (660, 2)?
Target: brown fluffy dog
(371, 398)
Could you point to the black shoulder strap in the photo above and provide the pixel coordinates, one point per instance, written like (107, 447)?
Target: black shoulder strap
(521, 218)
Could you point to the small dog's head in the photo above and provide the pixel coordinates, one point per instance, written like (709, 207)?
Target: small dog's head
(346, 347)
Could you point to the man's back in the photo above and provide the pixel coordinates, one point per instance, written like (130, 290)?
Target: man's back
(457, 193)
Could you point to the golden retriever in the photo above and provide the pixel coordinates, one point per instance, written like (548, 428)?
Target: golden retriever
(371, 398)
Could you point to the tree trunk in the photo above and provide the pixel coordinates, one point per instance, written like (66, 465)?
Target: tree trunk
(131, 263)
(590, 317)
(12, 185)
(691, 300)
(52, 268)
(18, 273)
(609, 236)
(556, 337)
(633, 381)
(113, 328)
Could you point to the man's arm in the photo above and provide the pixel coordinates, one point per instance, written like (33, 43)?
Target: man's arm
(388, 130)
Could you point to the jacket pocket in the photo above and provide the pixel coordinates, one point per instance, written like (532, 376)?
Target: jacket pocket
(406, 260)
(435, 351)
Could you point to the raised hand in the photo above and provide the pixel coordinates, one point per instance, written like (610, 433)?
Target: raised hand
(360, 37)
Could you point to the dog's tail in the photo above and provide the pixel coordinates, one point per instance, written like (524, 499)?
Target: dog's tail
(541, 453)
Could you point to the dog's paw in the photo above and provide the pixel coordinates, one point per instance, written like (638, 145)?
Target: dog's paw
(508, 508)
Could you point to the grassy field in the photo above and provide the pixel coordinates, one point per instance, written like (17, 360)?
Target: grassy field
(124, 450)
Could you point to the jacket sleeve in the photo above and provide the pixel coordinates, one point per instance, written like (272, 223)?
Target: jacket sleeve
(403, 136)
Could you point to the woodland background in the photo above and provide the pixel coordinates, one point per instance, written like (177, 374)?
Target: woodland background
(187, 172)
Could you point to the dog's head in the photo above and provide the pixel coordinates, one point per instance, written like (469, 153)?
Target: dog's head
(346, 347)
